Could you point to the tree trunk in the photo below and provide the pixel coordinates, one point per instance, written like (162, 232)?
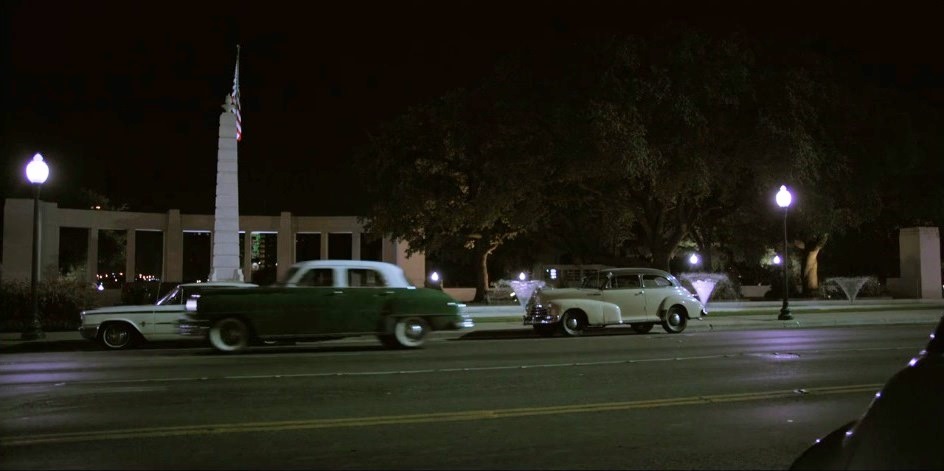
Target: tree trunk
(811, 264)
(662, 256)
(481, 287)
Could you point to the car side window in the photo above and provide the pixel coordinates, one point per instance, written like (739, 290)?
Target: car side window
(364, 278)
(655, 281)
(624, 281)
(317, 277)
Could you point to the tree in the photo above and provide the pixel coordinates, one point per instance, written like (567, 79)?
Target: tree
(691, 126)
(460, 171)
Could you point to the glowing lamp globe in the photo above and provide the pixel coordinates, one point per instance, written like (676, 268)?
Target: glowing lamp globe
(37, 171)
(784, 198)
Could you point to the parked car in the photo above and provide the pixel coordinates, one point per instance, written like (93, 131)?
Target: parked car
(638, 297)
(325, 299)
(902, 427)
(119, 327)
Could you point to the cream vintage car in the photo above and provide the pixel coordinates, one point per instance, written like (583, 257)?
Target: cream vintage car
(636, 297)
(119, 327)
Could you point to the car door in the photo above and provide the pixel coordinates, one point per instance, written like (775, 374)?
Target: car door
(360, 303)
(657, 288)
(310, 307)
(625, 290)
(161, 322)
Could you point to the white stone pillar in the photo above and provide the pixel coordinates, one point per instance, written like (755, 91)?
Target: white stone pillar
(247, 256)
(285, 244)
(920, 258)
(173, 248)
(130, 255)
(225, 262)
(91, 255)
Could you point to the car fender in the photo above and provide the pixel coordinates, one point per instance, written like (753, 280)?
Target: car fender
(123, 320)
(597, 311)
(672, 300)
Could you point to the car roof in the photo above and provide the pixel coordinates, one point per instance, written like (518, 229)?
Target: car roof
(220, 284)
(648, 271)
(347, 263)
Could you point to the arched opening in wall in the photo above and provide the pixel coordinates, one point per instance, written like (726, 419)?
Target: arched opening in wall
(148, 255)
(196, 263)
(371, 247)
(112, 252)
(307, 246)
(73, 253)
(340, 246)
(265, 256)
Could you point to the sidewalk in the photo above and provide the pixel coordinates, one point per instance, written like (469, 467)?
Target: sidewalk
(763, 314)
(721, 316)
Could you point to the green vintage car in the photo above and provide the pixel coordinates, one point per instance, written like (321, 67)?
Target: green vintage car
(325, 299)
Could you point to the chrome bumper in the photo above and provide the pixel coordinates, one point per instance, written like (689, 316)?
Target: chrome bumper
(539, 316)
(89, 332)
(465, 323)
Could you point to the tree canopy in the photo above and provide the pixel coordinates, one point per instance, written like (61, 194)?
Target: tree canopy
(625, 147)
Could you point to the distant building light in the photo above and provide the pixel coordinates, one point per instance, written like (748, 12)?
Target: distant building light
(553, 273)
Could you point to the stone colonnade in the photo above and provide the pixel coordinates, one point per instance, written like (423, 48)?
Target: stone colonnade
(17, 238)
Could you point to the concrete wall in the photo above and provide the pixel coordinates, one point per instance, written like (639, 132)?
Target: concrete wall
(919, 249)
(18, 234)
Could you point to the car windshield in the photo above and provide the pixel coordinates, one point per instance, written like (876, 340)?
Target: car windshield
(172, 297)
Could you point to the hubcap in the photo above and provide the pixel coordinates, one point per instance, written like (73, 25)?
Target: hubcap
(675, 319)
(572, 323)
(414, 331)
(231, 334)
(116, 337)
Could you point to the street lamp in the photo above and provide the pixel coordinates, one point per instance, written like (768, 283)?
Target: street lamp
(36, 172)
(784, 198)
(435, 280)
(693, 260)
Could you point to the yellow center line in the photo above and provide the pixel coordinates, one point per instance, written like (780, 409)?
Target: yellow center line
(417, 418)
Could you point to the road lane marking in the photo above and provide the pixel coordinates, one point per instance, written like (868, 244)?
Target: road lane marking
(214, 429)
(5, 378)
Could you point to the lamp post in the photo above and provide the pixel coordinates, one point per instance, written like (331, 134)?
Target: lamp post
(784, 198)
(36, 172)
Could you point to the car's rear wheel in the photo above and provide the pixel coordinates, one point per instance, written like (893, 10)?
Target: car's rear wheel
(545, 330)
(410, 332)
(118, 335)
(229, 335)
(675, 320)
(642, 328)
(573, 323)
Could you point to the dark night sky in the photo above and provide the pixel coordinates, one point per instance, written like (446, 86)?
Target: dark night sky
(124, 98)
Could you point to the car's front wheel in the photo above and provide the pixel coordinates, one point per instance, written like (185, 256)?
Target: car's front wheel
(229, 335)
(573, 323)
(118, 335)
(410, 332)
(675, 320)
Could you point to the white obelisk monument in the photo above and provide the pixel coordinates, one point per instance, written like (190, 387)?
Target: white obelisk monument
(225, 262)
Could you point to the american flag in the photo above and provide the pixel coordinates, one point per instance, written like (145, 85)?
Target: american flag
(235, 95)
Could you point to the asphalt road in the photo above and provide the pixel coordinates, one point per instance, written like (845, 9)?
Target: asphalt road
(749, 399)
